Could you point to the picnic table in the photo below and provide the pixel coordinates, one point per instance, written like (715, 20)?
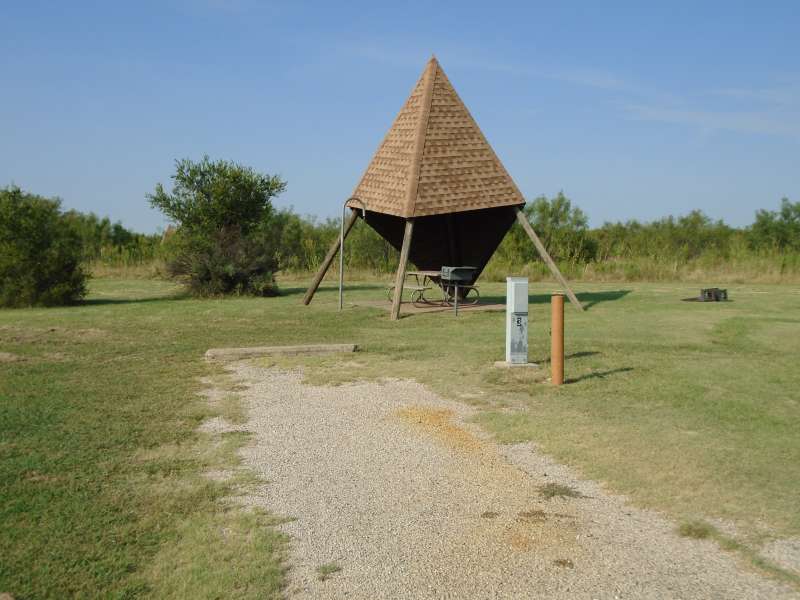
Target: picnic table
(427, 280)
(424, 278)
(423, 281)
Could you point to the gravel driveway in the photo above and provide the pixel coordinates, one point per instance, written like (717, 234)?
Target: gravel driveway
(388, 482)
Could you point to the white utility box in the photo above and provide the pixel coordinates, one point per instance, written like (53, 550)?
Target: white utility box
(517, 320)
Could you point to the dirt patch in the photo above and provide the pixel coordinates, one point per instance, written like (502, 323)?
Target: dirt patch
(439, 423)
(10, 357)
(217, 425)
(519, 540)
(535, 516)
(9, 333)
(37, 477)
(27, 335)
(92, 332)
(564, 563)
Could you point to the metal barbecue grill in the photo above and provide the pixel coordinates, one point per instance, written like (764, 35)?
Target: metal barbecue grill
(457, 281)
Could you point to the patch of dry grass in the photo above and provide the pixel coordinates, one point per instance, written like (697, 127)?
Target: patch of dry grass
(558, 490)
(698, 530)
(219, 555)
(326, 570)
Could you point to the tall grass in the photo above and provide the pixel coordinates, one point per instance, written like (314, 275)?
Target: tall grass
(135, 261)
(153, 269)
(761, 267)
(753, 267)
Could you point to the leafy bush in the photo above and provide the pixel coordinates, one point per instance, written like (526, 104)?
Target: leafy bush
(683, 238)
(562, 228)
(777, 230)
(228, 234)
(111, 243)
(40, 252)
(304, 243)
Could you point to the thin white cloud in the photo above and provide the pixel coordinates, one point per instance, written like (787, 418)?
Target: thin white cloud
(594, 78)
(464, 58)
(763, 123)
(225, 7)
(787, 96)
(777, 112)
(770, 110)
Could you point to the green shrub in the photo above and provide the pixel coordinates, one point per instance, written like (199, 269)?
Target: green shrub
(228, 234)
(224, 262)
(112, 244)
(562, 227)
(777, 229)
(40, 252)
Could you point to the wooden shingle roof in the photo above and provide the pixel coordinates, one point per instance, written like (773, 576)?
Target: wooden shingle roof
(434, 159)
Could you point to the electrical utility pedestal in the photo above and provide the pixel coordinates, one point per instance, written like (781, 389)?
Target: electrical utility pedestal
(516, 325)
(516, 321)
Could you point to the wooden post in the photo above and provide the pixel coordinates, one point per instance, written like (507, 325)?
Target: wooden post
(523, 220)
(557, 339)
(401, 270)
(329, 259)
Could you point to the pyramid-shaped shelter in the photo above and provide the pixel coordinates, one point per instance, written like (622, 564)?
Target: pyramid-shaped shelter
(434, 165)
(435, 174)
(435, 160)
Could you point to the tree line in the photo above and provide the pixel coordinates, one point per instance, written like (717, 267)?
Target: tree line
(302, 241)
(229, 238)
(565, 232)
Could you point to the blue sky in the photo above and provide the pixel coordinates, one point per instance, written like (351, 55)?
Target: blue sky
(635, 110)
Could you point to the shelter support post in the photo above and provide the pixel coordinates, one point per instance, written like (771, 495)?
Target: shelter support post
(401, 269)
(329, 259)
(523, 220)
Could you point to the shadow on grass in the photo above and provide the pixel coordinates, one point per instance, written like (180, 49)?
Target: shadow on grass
(598, 374)
(584, 354)
(183, 295)
(294, 291)
(112, 301)
(587, 299)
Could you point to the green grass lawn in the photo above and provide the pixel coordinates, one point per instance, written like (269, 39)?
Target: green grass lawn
(689, 408)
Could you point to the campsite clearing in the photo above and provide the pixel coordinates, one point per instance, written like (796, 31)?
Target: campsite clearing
(687, 408)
